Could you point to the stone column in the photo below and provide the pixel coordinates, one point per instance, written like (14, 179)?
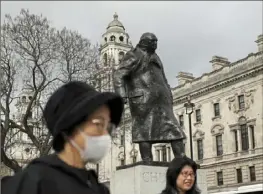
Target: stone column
(158, 153)
(249, 138)
(239, 140)
(161, 155)
(234, 141)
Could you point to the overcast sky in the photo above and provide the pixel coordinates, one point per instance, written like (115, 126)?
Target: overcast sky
(189, 33)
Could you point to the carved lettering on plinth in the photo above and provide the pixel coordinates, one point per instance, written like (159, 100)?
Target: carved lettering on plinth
(153, 177)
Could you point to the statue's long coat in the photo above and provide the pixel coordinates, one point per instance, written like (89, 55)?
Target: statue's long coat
(141, 78)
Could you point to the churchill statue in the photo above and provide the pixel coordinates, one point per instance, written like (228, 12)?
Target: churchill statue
(141, 81)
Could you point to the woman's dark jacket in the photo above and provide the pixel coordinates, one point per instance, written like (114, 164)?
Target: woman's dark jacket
(50, 175)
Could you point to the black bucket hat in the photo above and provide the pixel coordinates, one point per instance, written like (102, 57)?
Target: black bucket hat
(72, 103)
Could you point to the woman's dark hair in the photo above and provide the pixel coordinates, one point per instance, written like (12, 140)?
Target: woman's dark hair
(173, 172)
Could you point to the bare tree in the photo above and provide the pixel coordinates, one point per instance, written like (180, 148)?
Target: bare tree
(78, 59)
(28, 51)
(36, 59)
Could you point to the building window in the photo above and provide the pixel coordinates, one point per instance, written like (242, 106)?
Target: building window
(239, 175)
(112, 38)
(252, 133)
(244, 137)
(219, 145)
(121, 38)
(241, 101)
(198, 115)
(216, 110)
(252, 173)
(220, 178)
(168, 154)
(122, 140)
(236, 140)
(200, 149)
(134, 159)
(181, 120)
(105, 59)
(122, 162)
(121, 55)
(164, 154)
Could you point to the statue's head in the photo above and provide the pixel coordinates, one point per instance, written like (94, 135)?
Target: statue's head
(148, 41)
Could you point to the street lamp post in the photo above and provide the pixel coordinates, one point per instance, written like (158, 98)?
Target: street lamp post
(124, 136)
(189, 107)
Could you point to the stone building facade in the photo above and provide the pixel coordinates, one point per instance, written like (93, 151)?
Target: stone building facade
(227, 120)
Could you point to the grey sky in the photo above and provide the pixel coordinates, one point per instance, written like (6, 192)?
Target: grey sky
(189, 33)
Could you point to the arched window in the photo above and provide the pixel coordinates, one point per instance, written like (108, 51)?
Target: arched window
(121, 38)
(217, 131)
(121, 55)
(105, 59)
(199, 136)
(112, 38)
(105, 39)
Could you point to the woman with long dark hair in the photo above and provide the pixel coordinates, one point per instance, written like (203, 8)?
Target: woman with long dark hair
(181, 177)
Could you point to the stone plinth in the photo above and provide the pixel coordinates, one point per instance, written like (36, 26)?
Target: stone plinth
(145, 178)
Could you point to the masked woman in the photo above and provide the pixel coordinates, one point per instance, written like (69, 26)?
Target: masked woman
(81, 121)
(181, 177)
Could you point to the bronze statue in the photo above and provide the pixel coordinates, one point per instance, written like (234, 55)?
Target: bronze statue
(140, 79)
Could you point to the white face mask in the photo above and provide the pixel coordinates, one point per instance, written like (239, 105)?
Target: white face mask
(95, 148)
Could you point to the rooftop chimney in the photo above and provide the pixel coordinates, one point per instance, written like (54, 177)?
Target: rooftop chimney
(259, 41)
(184, 77)
(218, 62)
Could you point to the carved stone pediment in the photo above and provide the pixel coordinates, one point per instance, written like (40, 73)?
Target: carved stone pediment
(216, 119)
(198, 134)
(198, 124)
(198, 106)
(217, 129)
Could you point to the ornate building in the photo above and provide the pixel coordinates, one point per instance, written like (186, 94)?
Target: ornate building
(227, 119)
(18, 145)
(114, 45)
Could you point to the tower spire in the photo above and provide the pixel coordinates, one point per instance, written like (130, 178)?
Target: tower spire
(115, 16)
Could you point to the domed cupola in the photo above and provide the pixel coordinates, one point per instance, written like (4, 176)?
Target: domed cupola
(115, 25)
(115, 42)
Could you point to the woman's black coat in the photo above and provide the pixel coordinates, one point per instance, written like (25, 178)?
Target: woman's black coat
(50, 175)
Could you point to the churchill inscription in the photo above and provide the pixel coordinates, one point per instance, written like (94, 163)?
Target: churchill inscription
(153, 177)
